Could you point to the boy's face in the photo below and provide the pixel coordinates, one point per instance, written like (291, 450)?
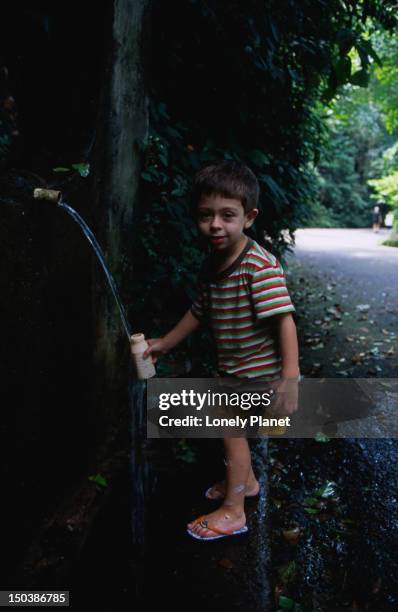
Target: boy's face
(222, 221)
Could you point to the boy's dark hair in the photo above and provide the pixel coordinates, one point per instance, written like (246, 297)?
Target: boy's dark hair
(231, 179)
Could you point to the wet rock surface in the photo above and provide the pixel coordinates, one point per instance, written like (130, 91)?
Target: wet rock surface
(230, 572)
(344, 556)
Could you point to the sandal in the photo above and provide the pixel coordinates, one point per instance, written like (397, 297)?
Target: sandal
(223, 534)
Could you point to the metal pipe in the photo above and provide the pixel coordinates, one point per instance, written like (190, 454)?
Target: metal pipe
(51, 195)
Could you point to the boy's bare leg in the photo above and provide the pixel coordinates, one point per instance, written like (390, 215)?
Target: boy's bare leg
(231, 514)
(217, 491)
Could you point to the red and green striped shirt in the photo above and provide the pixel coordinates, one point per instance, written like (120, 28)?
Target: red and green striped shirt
(237, 303)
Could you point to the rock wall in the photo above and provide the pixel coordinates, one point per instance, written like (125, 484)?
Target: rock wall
(65, 358)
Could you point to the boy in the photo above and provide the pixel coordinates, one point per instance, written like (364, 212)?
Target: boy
(242, 290)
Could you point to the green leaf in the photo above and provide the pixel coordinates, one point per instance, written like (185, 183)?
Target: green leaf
(83, 169)
(345, 40)
(99, 480)
(163, 158)
(61, 169)
(366, 45)
(311, 510)
(343, 70)
(259, 157)
(173, 133)
(361, 78)
(321, 437)
(287, 572)
(274, 188)
(285, 603)
(162, 110)
(328, 490)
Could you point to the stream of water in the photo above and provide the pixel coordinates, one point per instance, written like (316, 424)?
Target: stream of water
(98, 251)
(138, 465)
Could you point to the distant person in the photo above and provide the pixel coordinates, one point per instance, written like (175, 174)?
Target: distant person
(377, 219)
(389, 220)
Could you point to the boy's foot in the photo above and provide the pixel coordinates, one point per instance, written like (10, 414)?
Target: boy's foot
(224, 519)
(217, 491)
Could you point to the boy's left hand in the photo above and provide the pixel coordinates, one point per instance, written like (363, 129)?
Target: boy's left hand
(285, 394)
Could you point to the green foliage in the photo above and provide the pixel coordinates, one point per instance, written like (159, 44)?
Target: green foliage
(242, 82)
(355, 137)
(385, 94)
(358, 148)
(83, 169)
(391, 243)
(386, 79)
(386, 189)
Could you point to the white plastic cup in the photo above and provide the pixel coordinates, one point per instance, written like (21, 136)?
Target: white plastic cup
(144, 367)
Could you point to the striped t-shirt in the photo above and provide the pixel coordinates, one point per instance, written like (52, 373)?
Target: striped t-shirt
(237, 303)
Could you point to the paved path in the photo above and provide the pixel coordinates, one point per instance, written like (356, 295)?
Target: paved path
(346, 283)
(352, 251)
(345, 288)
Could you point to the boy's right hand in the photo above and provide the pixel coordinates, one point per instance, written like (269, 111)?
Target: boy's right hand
(157, 347)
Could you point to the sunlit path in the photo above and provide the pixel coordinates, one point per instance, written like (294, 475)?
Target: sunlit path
(345, 242)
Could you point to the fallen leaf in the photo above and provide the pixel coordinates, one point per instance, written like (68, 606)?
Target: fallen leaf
(355, 607)
(363, 307)
(311, 510)
(327, 490)
(334, 312)
(227, 563)
(292, 535)
(318, 346)
(278, 592)
(287, 572)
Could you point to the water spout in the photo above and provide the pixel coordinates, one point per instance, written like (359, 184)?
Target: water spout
(50, 195)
